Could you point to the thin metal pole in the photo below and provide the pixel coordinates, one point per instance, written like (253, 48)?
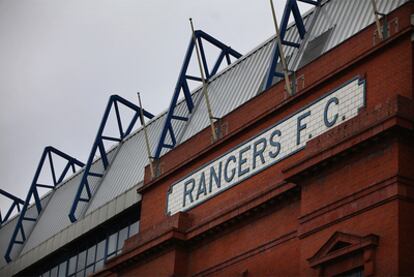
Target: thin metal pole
(282, 54)
(203, 79)
(146, 135)
(377, 20)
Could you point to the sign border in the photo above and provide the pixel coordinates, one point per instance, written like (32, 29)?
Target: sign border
(361, 81)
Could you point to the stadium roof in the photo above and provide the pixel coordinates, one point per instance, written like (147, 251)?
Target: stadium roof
(328, 26)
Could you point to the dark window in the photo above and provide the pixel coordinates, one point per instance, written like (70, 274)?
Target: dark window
(123, 235)
(92, 259)
(62, 269)
(99, 265)
(54, 272)
(89, 270)
(91, 255)
(72, 265)
(133, 229)
(81, 261)
(112, 240)
(100, 250)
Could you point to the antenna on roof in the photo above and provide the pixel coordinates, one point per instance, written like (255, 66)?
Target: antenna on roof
(15, 205)
(91, 174)
(141, 114)
(281, 51)
(377, 19)
(170, 130)
(291, 8)
(203, 80)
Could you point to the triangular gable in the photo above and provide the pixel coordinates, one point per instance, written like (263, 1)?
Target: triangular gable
(341, 244)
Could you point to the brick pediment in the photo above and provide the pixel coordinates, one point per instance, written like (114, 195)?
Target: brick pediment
(340, 245)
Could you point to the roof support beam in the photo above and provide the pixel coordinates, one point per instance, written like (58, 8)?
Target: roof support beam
(33, 194)
(291, 7)
(98, 147)
(312, 2)
(15, 205)
(182, 84)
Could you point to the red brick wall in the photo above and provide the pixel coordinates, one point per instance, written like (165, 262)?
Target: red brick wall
(354, 173)
(246, 237)
(163, 265)
(357, 178)
(406, 205)
(390, 60)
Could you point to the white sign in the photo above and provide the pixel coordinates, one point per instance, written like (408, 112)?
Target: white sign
(285, 138)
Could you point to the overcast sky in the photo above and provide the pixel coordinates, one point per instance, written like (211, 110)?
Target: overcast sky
(60, 60)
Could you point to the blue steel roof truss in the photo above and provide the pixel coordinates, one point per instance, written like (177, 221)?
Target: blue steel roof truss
(291, 7)
(34, 193)
(182, 84)
(84, 192)
(15, 205)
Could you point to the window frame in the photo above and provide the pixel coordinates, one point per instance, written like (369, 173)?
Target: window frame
(96, 264)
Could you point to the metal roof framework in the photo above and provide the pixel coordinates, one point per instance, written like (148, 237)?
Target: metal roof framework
(84, 192)
(291, 7)
(15, 205)
(182, 85)
(19, 234)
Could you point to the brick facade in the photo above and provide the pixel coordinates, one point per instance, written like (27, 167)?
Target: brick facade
(344, 202)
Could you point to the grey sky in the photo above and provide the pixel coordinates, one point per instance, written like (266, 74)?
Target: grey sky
(60, 60)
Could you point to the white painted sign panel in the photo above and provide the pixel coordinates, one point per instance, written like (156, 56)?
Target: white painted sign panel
(285, 138)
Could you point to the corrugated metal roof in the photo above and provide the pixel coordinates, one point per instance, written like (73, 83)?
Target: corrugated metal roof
(7, 230)
(348, 17)
(127, 169)
(54, 217)
(229, 89)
